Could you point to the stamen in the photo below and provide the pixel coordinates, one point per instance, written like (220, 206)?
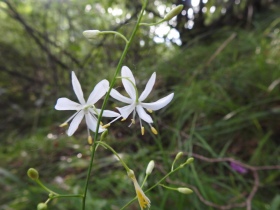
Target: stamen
(132, 121)
(123, 119)
(142, 131)
(101, 123)
(63, 124)
(150, 111)
(89, 140)
(154, 130)
(106, 126)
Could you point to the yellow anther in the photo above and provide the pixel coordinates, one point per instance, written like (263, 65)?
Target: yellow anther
(142, 131)
(106, 126)
(89, 139)
(154, 130)
(132, 121)
(63, 124)
(150, 111)
(101, 123)
(123, 119)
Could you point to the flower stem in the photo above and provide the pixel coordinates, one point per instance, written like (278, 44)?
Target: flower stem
(158, 183)
(107, 97)
(116, 33)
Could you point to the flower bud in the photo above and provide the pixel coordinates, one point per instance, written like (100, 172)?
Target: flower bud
(189, 160)
(91, 34)
(174, 12)
(42, 206)
(104, 135)
(179, 154)
(184, 190)
(150, 167)
(33, 174)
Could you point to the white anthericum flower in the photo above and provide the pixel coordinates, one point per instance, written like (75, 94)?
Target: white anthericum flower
(84, 108)
(135, 101)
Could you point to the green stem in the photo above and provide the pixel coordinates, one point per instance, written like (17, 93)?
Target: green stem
(107, 97)
(170, 188)
(45, 188)
(152, 24)
(144, 181)
(63, 196)
(158, 183)
(115, 153)
(116, 33)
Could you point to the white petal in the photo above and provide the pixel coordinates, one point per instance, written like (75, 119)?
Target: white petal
(148, 88)
(143, 115)
(108, 113)
(77, 88)
(116, 95)
(98, 92)
(92, 123)
(158, 104)
(67, 104)
(127, 80)
(126, 110)
(75, 123)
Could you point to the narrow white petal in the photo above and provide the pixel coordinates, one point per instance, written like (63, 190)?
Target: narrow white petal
(75, 123)
(98, 92)
(108, 113)
(129, 82)
(116, 95)
(92, 123)
(126, 110)
(77, 88)
(67, 104)
(148, 88)
(158, 104)
(143, 115)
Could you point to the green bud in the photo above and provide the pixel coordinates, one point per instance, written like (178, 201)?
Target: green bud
(42, 206)
(190, 160)
(150, 167)
(104, 135)
(174, 12)
(184, 190)
(33, 174)
(91, 34)
(179, 154)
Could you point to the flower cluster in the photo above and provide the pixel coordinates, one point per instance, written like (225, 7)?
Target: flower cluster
(135, 103)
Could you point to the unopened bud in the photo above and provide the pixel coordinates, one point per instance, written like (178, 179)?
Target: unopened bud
(42, 206)
(174, 12)
(179, 154)
(91, 34)
(33, 173)
(184, 190)
(150, 167)
(189, 160)
(104, 135)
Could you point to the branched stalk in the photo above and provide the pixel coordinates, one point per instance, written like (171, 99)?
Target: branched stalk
(107, 97)
(158, 183)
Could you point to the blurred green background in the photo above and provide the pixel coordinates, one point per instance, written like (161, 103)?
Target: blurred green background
(220, 58)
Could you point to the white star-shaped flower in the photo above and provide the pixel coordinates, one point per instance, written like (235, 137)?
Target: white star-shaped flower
(135, 101)
(84, 108)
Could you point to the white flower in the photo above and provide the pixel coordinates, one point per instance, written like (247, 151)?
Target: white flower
(84, 108)
(135, 101)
